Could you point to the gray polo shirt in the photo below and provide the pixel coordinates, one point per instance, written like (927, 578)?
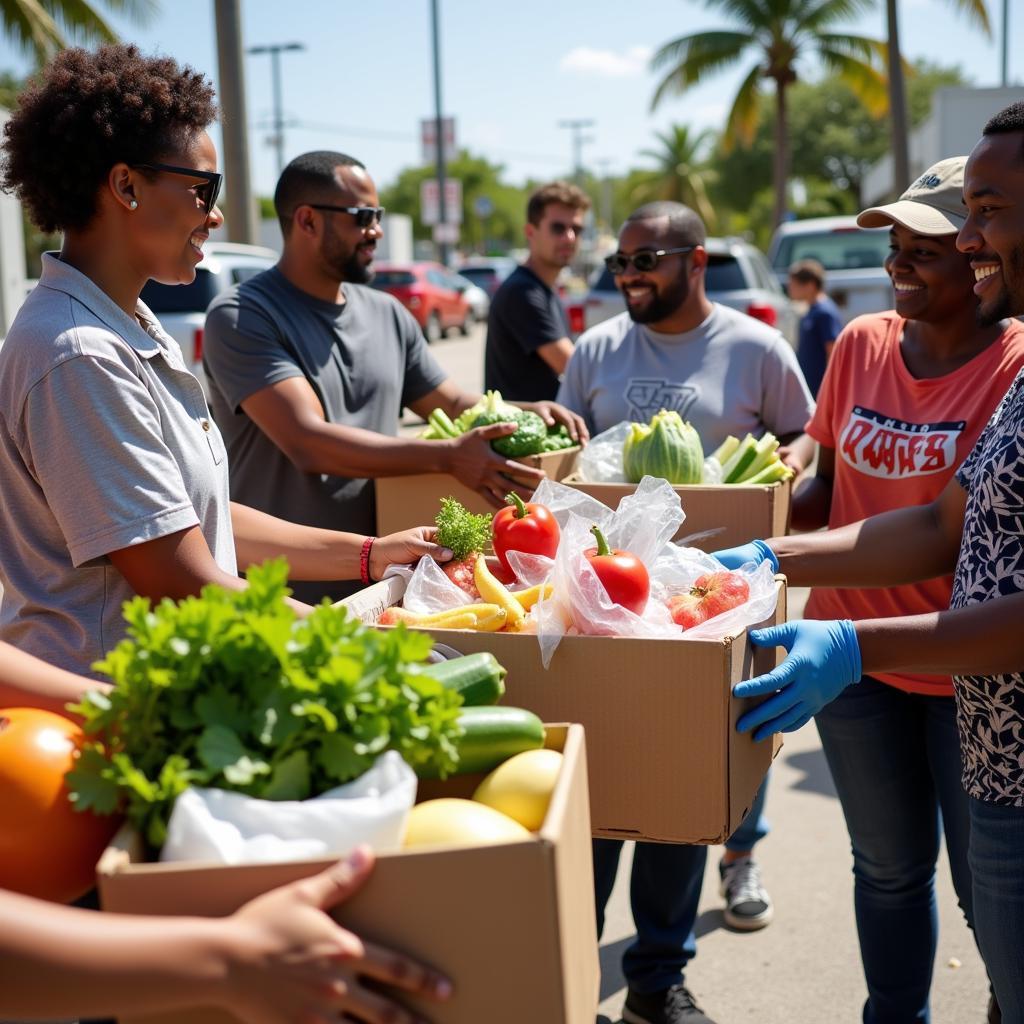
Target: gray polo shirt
(365, 358)
(105, 442)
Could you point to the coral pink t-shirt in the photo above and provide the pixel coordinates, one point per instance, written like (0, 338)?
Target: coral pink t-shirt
(898, 441)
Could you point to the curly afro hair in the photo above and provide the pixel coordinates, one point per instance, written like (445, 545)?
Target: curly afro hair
(87, 111)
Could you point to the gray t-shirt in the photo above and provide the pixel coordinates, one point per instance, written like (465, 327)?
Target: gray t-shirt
(729, 375)
(365, 359)
(105, 442)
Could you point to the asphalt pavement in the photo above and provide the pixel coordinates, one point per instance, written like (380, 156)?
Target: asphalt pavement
(804, 968)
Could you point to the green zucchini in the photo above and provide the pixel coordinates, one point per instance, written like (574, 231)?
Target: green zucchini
(493, 735)
(480, 678)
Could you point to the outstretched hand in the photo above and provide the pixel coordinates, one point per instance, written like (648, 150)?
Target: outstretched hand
(757, 551)
(823, 659)
(405, 548)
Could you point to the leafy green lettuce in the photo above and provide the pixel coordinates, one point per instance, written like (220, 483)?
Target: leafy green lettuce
(231, 690)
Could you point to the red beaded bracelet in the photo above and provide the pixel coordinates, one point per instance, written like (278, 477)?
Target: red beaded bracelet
(364, 559)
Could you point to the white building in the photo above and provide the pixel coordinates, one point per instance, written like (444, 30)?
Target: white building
(953, 127)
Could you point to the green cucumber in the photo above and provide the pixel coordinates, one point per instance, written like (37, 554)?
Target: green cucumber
(491, 736)
(480, 678)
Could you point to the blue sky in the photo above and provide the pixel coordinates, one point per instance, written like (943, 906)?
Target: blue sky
(511, 72)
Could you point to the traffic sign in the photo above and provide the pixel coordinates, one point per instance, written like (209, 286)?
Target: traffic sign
(428, 139)
(446, 234)
(430, 201)
(483, 207)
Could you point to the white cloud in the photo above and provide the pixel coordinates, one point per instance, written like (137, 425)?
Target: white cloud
(627, 64)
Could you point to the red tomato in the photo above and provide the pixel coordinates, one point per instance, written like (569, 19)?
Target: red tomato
(529, 528)
(47, 848)
(712, 594)
(623, 575)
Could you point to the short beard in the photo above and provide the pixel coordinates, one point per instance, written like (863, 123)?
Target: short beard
(346, 266)
(1006, 305)
(661, 306)
(357, 272)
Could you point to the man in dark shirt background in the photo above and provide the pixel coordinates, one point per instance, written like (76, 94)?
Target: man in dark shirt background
(528, 343)
(819, 326)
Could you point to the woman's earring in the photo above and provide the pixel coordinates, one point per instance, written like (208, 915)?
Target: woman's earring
(133, 205)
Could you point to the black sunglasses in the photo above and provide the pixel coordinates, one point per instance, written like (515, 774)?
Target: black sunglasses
(207, 192)
(365, 215)
(559, 228)
(646, 259)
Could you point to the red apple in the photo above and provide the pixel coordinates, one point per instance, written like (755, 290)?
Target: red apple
(712, 594)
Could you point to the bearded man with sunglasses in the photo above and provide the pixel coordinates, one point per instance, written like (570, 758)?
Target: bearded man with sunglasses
(309, 371)
(528, 344)
(727, 374)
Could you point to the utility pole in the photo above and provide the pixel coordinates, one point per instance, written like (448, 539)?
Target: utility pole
(275, 50)
(1006, 42)
(578, 140)
(606, 193)
(442, 206)
(239, 209)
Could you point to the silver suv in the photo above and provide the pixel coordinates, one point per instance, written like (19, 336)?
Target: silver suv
(181, 308)
(737, 275)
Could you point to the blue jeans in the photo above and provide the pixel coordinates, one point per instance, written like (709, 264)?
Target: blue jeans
(664, 894)
(997, 864)
(895, 761)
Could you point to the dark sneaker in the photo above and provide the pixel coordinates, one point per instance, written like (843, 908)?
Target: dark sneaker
(674, 1005)
(747, 904)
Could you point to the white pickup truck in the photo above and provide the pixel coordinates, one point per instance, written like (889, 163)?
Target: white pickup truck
(851, 256)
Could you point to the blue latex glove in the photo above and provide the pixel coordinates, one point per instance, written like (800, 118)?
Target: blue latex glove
(756, 551)
(824, 658)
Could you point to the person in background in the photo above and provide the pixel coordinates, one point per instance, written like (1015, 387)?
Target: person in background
(309, 369)
(819, 326)
(973, 529)
(528, 344)
(114, 478)
(727, 374)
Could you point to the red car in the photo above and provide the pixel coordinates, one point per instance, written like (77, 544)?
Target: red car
(430, 292)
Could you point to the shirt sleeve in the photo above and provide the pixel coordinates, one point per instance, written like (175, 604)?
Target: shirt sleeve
(531, 318)
(786, 403)
(244, 351)
(93, 442)
(423, 373)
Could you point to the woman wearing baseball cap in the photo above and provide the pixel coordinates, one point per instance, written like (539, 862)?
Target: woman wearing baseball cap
(905, 397)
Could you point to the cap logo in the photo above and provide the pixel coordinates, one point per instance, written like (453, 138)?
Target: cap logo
(928, 181)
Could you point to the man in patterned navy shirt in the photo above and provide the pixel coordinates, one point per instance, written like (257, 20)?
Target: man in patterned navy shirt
(974, 529)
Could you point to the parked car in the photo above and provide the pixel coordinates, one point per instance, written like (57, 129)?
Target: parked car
(430, 292)
(181, 308)
(479, 301)
(488, 272)
(737, 275)
(853, 258)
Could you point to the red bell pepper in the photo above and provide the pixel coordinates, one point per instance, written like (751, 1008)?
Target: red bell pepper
(623, 576)
(526, 527)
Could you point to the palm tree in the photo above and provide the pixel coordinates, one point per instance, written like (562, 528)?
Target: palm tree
(41, 27)
(780, 32)
(678, 174)
(977, 12)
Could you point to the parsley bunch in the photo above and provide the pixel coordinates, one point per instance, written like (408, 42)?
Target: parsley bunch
(461, 531)
(230, 690)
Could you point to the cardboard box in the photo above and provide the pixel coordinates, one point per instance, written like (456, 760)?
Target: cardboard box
(407, 501)
(512, 925)
(731, 513)
(666, 763)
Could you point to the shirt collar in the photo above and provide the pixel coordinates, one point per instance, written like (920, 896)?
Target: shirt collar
(147, 341)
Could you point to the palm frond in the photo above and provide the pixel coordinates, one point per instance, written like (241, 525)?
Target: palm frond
(742, 121)
(867, 83)
(862, 48)
(81, 20)
(976, 12)
(694, 57)
(819, 14)
(28, 24)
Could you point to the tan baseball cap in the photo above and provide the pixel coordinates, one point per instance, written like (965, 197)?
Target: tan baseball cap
(933, 205)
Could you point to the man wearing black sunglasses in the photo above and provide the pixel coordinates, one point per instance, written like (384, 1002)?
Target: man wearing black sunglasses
(727, 374)
(309, 371)
(528, 344)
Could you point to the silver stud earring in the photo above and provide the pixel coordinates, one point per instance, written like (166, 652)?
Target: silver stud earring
(133, 205)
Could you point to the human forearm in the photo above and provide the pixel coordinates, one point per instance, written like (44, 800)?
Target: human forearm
(811, 504)
(982, 639)
(107, 964)
(26, 681)
(796, 450)
(903, 546)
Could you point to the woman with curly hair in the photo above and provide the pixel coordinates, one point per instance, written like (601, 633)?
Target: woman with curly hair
(114, 476)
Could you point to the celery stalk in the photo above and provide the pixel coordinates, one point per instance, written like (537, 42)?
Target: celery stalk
(740, 461)
(771, 473)
(725, 450)
(765, 451)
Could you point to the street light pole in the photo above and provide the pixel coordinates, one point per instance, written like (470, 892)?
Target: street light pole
(239, 209)
(442, 209)
(578, 139)
(1006, 38)
(275, 50)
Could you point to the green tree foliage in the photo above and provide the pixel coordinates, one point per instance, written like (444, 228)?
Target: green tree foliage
(778, 34)
(41, 27)
(502, 229)
(681, 173)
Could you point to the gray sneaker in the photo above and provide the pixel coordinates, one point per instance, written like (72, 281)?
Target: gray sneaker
(748, 906)
(674, 1005)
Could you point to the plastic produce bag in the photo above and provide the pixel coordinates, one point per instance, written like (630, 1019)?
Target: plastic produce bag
(221, 827)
